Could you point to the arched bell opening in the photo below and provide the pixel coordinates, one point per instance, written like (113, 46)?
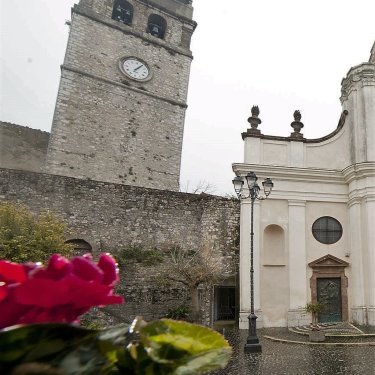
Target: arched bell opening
(156, 26)
(123, 12)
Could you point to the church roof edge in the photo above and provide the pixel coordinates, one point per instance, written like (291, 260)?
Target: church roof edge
(340, 125)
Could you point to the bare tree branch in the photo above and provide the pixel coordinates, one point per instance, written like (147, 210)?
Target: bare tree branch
(194, 269)
(202, 187)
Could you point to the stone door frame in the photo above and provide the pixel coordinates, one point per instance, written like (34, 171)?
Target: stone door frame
(330, 267)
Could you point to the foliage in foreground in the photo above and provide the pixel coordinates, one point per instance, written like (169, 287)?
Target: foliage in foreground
(163, 347)
(26, 237)
(63, 290)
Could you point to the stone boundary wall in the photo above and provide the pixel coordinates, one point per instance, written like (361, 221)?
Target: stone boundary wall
(22, 147)
(110, 216)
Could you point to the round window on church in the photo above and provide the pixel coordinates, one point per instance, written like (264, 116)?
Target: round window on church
(327, 230)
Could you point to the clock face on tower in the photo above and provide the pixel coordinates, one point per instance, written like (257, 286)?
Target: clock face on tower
(136, 69)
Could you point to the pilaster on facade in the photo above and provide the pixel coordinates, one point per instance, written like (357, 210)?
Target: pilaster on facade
(297, 254)
(357, 281)
(371, 315)
(370, 217)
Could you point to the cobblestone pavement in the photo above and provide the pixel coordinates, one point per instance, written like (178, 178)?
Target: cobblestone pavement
(279, 358)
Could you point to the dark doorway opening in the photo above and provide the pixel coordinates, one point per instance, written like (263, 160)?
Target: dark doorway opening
(81, 247)
(225, 297)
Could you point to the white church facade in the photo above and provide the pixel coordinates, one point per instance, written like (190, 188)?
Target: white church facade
(314, 237)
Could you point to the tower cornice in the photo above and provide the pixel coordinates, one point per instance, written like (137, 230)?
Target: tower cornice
(178, 8)
(128, 30)
(127, 87)
(358, 76)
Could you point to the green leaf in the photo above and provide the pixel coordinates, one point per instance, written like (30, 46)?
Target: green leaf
(28, 343)
(118, 335)
(163, 347)
(84, 360)
(184, 347)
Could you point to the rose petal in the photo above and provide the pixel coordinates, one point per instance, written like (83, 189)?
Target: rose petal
(86, 270)
(11, 312)
(85, 294)
(60, 292)
(11, 272)
(58, 266)
(42, 293)
(3, 292)
(109, 266)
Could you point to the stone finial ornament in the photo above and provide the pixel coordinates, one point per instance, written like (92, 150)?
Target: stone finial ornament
(297, 125)
(297, 115)
(255, 111)
(254, 120)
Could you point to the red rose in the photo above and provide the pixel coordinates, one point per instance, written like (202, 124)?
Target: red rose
(60, 292)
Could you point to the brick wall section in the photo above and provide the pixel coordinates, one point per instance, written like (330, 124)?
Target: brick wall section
(22, 147)
(109, 216)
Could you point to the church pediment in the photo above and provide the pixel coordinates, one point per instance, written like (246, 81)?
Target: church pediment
(328, 261)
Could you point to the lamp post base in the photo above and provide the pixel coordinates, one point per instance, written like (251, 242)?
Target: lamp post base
(253, 346)
(252, 343)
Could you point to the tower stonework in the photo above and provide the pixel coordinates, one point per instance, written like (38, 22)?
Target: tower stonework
(121, 103)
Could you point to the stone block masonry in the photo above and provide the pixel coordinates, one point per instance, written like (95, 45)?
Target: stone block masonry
(110, 216)
(22, 147)
(108, 126)
(103, 135)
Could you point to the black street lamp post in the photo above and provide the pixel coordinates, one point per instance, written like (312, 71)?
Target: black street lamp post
(252, 343)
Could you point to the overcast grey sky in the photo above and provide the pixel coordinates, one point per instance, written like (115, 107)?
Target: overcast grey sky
(281, 55)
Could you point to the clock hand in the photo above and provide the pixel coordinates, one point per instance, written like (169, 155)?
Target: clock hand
(137, 68)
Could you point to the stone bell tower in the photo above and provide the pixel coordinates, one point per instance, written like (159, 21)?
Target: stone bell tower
(121, 103)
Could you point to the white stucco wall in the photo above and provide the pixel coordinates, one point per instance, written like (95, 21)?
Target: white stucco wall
(332, 176)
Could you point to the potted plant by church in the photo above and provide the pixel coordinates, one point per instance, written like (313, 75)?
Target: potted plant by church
(314, 308)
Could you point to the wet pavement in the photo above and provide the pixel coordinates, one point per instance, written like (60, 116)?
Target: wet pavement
(349, 355)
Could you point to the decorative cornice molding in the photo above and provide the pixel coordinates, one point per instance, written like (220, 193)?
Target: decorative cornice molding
(358, 171)
(354, 201)
(358, 76)
(130, 31)
(291, 173)
(369, 198)
(296, 203)
(328, 261)
(309, 196)
(166, 9)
